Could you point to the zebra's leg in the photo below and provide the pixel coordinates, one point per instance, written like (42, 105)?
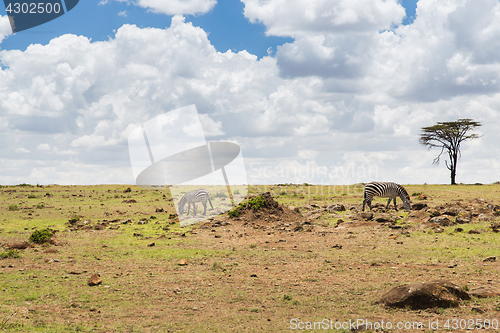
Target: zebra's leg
(194, 208)
(189, 207)
(388, 202)
(210, 203)
(395, 207)
(367, 201)
(205, 205)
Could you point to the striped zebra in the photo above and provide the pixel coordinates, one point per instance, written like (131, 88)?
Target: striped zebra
(193, 196)
(386, 190)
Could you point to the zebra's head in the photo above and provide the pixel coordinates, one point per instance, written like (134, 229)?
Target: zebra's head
(182, 203)
(407, 204)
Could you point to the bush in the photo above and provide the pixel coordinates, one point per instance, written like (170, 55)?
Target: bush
(13, 207)
(10, 254)
(41, 236)
(31, 196)
(74, 219)
(254, 203)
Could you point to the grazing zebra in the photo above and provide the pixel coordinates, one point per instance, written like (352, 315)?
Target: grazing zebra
(193, 196)
(386, 190)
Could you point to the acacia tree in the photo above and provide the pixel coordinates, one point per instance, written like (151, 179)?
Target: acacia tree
(448, 136)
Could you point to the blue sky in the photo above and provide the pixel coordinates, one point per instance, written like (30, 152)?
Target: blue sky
(227, 27)
(331, 92)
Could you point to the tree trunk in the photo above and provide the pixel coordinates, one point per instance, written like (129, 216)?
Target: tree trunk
(454, 167)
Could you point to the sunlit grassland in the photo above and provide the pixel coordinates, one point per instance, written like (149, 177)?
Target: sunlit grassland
(251, 283)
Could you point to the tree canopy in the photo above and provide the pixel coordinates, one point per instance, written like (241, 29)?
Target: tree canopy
(448, 136)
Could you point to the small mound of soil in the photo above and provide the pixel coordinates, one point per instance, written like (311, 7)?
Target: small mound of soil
(271, 213)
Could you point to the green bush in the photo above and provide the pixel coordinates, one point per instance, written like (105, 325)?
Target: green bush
(255, 203)
(10, 254)
(13, 207)
(41, 236)
(31, 196)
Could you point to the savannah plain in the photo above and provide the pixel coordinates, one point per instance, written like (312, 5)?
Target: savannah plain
(256, 272)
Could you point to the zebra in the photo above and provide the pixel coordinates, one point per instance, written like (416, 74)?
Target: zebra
(193, 196)
(386, 190)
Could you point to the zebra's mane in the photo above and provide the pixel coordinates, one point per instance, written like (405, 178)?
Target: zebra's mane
(404, 192)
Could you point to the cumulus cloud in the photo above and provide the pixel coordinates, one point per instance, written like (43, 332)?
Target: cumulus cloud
(295, 17)
(5, 28)
(343, 103)
(175, 7)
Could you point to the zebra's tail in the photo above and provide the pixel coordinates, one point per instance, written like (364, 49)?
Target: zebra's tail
(210, 201)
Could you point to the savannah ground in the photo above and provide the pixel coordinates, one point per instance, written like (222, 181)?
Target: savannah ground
(246, 276)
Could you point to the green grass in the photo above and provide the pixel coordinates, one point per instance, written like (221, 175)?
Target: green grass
(253, 283)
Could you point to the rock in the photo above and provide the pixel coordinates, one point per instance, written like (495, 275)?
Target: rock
(151, 244)
(381, 218)
(441, 220)
(94, 280)
(423, 295)
(477, 309)
(182, 262)
(485, 217)
(127, 190)
(495, 227)
(363, 216)
(485, 292)
(416, 215)
(462, 220)
(336, 208)
(314, 216)
(476, 232)
(492, 258)
(129, 201)
(294, 209)
(159, 210)
(451, 212)
(418, 206)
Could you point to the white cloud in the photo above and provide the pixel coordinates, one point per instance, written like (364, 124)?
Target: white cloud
(343, 97)
(5, 28)
(295, 17)
(43, 147)
(176, 7)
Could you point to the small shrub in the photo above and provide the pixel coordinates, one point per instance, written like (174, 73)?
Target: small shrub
(10, 254)
(41, 236)
(74, 219)
(287, 297)
(234, 212)
(416, 194)
(237, 191)
(40, 205)
(13, 207)
(24, 185)
(256, 202)
(31, 196)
